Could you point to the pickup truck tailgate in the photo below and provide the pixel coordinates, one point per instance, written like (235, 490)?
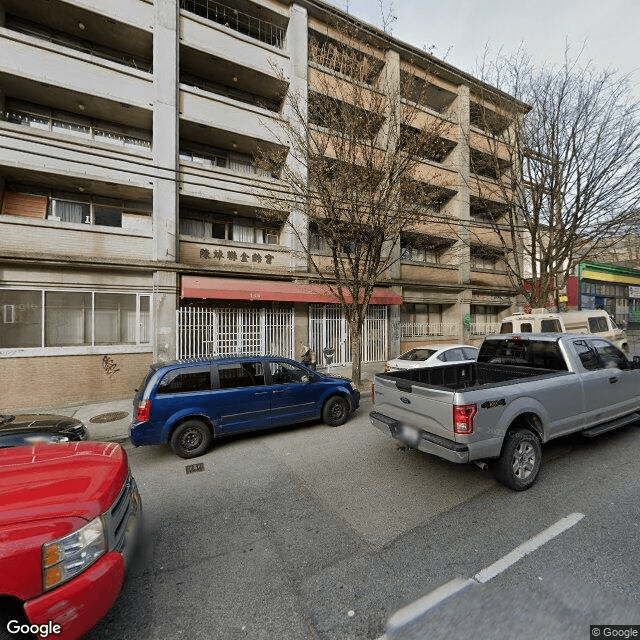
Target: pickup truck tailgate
(422, 407)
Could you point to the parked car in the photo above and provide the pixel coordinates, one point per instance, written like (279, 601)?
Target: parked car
(523, 390)
(31, 428)
(432, 356)
(69, 526)
(188, 403)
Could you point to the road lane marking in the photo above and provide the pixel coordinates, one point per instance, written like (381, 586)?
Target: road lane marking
(414, 610)
(420, 607)
(527, 547)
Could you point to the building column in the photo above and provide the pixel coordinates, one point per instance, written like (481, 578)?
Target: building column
(165, 190)
(298, 50)
(460, 202)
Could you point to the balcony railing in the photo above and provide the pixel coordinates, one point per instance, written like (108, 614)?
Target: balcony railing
(242, 22)
(78, 44)
(425, 329)
(67, 126)
(484, 328)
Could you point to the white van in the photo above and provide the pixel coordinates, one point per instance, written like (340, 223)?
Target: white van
(542, 321)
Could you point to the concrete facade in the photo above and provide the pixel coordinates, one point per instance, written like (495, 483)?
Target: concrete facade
(127, 139)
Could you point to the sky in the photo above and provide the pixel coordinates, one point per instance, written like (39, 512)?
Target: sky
(460, 30)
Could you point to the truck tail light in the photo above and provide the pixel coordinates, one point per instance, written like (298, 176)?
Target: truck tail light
(373, 393)
(463, 415)
(143, 413)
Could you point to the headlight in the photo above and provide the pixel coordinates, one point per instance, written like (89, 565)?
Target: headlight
(353, 386)
(66, 557)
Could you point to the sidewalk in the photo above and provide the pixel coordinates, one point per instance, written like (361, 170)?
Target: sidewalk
(110, 420)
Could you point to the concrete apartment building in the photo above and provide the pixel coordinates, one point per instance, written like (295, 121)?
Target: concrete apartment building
(129, 222)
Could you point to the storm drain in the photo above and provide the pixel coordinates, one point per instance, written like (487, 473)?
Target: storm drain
(109, 417)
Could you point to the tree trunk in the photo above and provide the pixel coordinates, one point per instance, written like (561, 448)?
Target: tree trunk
(355, 336)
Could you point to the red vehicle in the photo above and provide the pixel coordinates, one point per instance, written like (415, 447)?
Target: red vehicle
(69, 519)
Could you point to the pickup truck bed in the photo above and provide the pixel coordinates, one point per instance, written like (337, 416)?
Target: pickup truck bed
(468, 375)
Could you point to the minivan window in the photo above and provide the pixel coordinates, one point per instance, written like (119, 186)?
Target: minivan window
(286, 373)
(186, 380)
(550, 326)
(242, 374)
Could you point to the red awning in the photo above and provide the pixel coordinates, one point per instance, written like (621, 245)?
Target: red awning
(235, 289)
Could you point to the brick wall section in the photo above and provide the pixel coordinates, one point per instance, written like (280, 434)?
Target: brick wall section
(38, 383)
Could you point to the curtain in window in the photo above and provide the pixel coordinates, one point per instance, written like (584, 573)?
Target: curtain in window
(243, 230)
(192, 227)
(79, 212)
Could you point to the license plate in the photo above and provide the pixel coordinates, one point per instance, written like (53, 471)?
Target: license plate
(410, 436)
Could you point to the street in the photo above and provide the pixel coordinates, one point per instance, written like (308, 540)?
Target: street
(324, 533)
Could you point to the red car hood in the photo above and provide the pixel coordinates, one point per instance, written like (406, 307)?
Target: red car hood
(43, 481)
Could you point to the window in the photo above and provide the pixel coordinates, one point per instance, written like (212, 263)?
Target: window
(506, 327)
(85, 212)
(74, 318)
(245, 374)
(452, 355)
(550, 326)
(22, 319)
(598, 324)
(286, 373)
(186, 381)
(248, 230)
(588, 357)
(610, 356)
(526, 327)
(44, 118)
(483, 261)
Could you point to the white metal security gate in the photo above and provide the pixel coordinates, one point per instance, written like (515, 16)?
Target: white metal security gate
(207, 331)
(329, 329)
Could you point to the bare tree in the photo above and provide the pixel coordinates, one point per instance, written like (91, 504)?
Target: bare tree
(561, 182)
(354, 152)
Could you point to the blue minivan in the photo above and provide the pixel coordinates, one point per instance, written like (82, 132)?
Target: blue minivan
(187, 403)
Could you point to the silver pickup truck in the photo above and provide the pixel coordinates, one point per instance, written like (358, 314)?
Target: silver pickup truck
(522, 391)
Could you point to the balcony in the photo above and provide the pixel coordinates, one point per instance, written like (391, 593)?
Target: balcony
(81, 44)
(258, 28)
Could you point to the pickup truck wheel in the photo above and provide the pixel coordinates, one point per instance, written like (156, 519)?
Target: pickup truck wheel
(519, 462)
(335, 411)
(191, 439)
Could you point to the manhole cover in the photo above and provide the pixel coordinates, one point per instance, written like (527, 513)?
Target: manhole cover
(109, 417)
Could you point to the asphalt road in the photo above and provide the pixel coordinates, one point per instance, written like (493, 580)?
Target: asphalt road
(323, 534)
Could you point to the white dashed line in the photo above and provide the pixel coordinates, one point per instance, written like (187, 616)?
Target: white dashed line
(421, 606)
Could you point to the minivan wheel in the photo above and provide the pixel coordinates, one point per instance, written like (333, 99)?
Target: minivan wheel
(335, 411)
(191, 439)
(519, 462)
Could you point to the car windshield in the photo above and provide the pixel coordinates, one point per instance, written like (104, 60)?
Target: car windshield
(417, 354)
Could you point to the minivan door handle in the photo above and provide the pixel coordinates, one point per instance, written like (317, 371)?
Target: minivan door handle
(613, 379)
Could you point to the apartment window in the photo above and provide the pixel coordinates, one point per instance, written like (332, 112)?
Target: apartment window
(21, 318)
(67, 123)
(484, 262)
(207, 159)
(85, 213)
(42, 319)
(234, 229)
(420, 254)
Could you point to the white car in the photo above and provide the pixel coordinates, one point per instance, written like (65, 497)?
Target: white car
(432, 356)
